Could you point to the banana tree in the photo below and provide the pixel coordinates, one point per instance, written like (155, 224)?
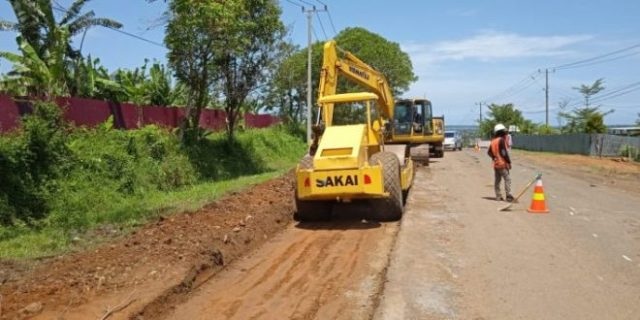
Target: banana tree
(33, 75)
(88, 79)
(159, 88)
(37, 24)
(47, 58)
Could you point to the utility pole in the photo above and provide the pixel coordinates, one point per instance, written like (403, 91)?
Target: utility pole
(309, 18)
(309, 13)
(546, 97)
(480, 104)
(546, 94)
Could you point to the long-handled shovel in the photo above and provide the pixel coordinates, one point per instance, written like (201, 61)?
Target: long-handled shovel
(515, 200)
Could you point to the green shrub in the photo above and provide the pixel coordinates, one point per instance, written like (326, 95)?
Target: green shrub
(30, 164)
(62, 182)
(630, 152)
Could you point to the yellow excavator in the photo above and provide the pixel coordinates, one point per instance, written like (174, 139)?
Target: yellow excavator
(406, 121)
(348, 159)
(414, 124)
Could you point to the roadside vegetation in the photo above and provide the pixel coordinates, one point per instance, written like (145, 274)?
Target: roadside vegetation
(65, 186)
(584, 118)
(60, 182)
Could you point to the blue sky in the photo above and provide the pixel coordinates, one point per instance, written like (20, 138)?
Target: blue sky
(463, 52)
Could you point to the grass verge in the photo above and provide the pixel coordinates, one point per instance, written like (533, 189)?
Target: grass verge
(107, 181)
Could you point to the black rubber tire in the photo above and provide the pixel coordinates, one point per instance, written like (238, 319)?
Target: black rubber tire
(390, 208)
(405, 193)
(311, 210)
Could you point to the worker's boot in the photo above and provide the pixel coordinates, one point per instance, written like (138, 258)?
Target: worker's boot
(499, 198)
(509, 198)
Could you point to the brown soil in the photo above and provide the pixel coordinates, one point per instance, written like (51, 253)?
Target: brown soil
(154, 265)
(614, 171)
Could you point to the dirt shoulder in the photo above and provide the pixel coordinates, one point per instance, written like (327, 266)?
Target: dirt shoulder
(614, 171)
(154, 263)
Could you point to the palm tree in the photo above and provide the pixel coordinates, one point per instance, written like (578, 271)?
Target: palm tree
(36, 22)
(45, 44)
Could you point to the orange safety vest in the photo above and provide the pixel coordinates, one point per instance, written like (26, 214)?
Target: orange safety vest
(498, 160)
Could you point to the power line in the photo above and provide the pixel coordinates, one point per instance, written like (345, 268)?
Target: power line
(321, 25)
(295, 4)
(629, 86)
(602, 61)
(138, 37)
(314, 33)
(577, 64)
(516, 88)
(62, 9)
(308, 3)
(329, 15)
(615, 95)
(511, 88)
(518, 92)
(331, 22)
(624, 90)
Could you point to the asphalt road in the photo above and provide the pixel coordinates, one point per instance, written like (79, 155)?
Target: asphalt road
(457, 257)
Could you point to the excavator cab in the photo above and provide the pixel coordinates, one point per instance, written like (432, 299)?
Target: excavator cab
(412, 118)
(414, 124)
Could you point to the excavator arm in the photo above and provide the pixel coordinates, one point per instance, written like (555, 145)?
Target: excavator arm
(357, 71)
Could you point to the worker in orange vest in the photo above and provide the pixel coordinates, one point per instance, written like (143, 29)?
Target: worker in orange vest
(501, 161)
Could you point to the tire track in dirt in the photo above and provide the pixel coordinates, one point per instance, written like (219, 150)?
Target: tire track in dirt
(310, 271)
(156, 265)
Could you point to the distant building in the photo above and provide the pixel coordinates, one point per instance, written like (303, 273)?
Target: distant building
(624, 131)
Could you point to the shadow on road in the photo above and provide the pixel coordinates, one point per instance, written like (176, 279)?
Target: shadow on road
(345, 216)
(339, 224)
(489, 198)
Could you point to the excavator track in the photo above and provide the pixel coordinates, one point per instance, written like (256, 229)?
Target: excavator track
(420, 154)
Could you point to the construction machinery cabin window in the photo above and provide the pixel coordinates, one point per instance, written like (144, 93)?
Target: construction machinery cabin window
(412, 117)
(352, 113)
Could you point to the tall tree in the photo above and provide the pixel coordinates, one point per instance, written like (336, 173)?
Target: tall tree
(589, 91)
(586, 119)
(246, 53)
(508, 115)
(378, 52)
(384, 55)
(193, 30)
(287, 86)
(223, 46)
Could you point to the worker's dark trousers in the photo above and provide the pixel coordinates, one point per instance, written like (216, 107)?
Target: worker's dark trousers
(499, 175)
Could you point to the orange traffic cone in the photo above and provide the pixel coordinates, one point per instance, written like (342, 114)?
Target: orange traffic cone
(538, 204)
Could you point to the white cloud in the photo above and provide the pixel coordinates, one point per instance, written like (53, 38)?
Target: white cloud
(492, 45)
(465, 13)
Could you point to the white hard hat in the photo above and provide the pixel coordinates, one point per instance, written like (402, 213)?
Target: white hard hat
(499, 127)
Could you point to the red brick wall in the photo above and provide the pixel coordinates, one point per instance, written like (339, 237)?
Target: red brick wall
(9, 114)
(90, 112)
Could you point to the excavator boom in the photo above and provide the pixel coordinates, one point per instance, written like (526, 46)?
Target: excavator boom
(357, 71)
(420, 129)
